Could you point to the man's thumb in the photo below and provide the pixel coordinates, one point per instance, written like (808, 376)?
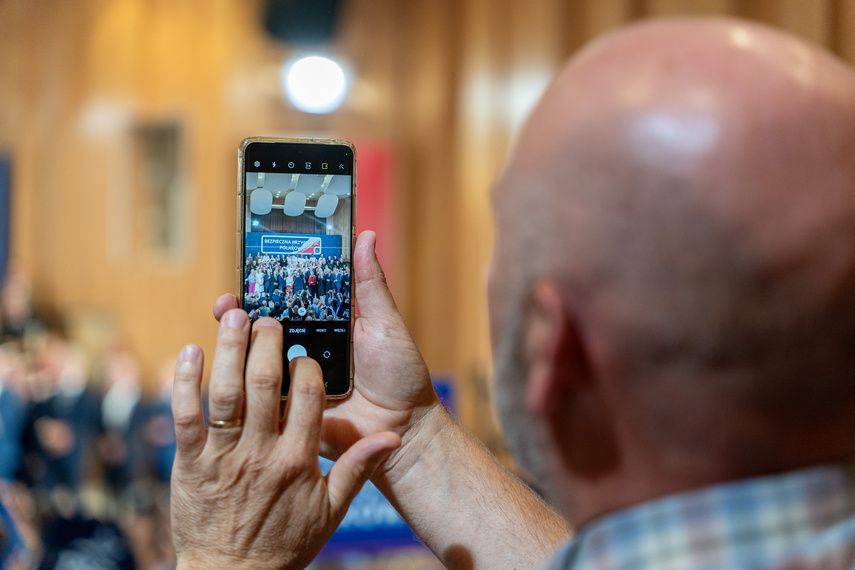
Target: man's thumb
(372, 294)
(355, 466)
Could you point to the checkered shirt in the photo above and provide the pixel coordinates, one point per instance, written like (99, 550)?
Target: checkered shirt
(795, 521)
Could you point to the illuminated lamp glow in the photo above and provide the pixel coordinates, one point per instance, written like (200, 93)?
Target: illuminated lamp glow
(314, 84)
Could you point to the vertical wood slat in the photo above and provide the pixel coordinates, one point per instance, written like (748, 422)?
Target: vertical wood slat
(480, 100)
(608, 14)
(689, 7)
(431, 218)
(809, 20)
(846, 30)
(510, 50)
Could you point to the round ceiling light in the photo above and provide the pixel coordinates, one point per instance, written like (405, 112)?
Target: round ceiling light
(315, 84)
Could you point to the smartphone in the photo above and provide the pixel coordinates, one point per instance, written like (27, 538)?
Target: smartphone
(296, 229)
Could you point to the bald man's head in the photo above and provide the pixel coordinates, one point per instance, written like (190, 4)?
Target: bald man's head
(690, 186)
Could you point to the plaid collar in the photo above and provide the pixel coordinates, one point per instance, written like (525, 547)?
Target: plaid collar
(797, 520)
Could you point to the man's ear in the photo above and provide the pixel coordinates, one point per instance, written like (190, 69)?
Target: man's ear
(554, 356)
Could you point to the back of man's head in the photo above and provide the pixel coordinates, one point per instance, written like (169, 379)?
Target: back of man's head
(690, 186)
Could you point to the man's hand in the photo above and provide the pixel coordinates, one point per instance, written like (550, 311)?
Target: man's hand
(392, 388)
(251, 494)
(458, 499)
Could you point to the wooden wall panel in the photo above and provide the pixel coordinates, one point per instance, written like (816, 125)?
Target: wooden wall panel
(428, 76)
(444, 83)
(810, 20)
(510, 52)
(600, 17)
(482, 129)
(96, 70)
(689, 7)
(845, 34)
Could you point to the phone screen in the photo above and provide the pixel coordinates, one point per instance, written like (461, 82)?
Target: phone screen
(297, 230)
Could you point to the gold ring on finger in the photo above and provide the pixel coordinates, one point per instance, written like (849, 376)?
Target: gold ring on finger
(225, 424)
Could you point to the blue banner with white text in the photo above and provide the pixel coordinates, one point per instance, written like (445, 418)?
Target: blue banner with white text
(293, 244)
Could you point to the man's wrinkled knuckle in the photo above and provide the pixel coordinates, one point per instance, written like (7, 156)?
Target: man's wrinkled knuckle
(313, 390)
(271, 332)
(226, 396)
(185, 375)
(258, 461)
(185, 420)
(265, 377)
(231, 340)
(298, 464)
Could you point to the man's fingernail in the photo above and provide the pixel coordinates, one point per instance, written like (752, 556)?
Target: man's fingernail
(236, 319)
(189, 353)
(266, 322)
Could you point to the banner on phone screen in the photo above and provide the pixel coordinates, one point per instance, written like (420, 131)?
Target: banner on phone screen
(293, 244)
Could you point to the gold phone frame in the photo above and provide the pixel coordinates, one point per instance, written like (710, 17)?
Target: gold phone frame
(241, 226)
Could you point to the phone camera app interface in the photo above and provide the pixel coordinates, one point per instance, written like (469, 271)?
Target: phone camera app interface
(297, 251)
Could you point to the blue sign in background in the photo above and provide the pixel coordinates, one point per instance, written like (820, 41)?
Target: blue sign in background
(290, 244)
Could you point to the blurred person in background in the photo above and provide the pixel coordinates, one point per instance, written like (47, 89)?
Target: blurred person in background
(13, 554)
(73, 539)
(122, 418)
(158, 431)
(63, 419)
(51, 438)
(13, 410)
(16, 313)
(81, 526)
(672, 305)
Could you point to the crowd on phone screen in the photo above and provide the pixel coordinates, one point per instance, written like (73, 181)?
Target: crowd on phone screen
(297, 287)
(86, 448)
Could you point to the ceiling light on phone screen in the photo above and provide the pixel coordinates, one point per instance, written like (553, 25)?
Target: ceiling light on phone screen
(326, 206)
(314, 84)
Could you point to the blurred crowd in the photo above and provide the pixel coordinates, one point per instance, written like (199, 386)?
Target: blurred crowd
(86, 449)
